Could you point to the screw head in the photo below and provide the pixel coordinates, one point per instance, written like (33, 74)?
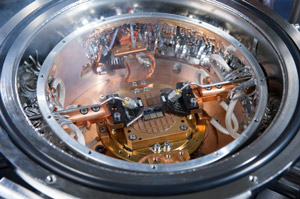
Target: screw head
(219, 86)
(84, 111)
(183, 127)
(193, 101)
(253, 179)
(132, 137)
(96, 108)
(136, 90)
(103, 129)
(208, 88)
(50, 179)
(146, 89)
(134, 84)
(117, 116)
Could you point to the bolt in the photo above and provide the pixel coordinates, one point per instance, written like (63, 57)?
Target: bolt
(146, 89)
(208, 88)
(156, 148)
(50, 179)
(84, 111)
(132, 137)
(193, 101)
(143, 82)
(117, 116)
(134, 84)
(167, 146)
(96, 108)
(181, 153)
(219, 86)
(253, 179)
(136, 90)
(102, 129)
(183, 127)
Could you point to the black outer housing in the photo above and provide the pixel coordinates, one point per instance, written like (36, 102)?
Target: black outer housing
(189, 182)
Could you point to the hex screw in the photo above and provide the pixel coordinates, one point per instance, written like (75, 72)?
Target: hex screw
(136, 90)
(95, 108)
(156, 148)
(146, 89)
(167, 146)
(50, 179)
(132, 137)
(193, 101)
(134, 84)
(253, 179)
(183, 127)
(117, 116)
(103, 129)
(84, 111)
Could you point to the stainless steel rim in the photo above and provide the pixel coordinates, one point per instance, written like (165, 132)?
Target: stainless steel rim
(245, 155)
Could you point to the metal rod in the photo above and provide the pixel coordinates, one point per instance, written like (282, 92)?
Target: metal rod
(295, 13)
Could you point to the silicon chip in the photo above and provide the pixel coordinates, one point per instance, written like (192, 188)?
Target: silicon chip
(151, 113)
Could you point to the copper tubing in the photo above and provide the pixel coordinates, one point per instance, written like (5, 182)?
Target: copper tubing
(214, 91)
(91, 116)
(152, 69)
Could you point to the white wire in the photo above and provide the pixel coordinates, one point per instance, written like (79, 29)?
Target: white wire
(219, 126)
(233, 118)
(230, 116)
(78, 133)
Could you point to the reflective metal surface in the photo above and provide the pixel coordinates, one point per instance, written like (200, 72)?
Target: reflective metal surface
(248, 163)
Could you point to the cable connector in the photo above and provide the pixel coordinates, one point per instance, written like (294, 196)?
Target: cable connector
(174, 95)
(129, 103)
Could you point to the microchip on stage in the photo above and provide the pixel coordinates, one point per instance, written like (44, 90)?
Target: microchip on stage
(151, 113)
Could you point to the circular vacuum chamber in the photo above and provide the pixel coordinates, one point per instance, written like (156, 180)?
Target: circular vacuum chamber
(149, 98)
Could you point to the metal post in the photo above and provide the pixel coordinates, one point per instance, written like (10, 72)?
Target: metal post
(295, 13)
